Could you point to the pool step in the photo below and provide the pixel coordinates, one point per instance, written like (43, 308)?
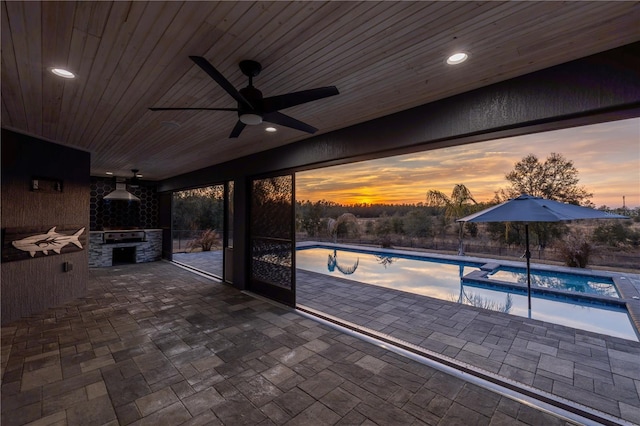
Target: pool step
(480, 279)
(489, 267)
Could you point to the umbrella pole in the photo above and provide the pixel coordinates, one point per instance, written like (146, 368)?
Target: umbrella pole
(527, 254)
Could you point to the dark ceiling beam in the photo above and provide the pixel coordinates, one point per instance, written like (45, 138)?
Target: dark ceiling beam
(594, 89)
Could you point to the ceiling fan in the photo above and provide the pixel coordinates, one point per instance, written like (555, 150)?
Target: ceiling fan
(252, 107)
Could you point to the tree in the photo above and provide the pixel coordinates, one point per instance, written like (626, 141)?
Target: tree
(417, 223)
(555, 179)
(455, 207)
(397, 225)
(199, 209)
(309, 216)
(383, 230)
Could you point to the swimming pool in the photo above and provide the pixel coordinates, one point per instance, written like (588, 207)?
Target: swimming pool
(443, 279)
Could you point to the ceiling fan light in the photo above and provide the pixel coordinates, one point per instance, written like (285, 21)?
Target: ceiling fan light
(251, 119)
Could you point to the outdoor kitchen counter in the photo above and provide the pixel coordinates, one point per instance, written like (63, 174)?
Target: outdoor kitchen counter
(101, 253)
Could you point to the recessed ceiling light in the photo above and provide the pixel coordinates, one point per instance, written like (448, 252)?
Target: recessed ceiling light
(270, 129)
(109, 173)
(61, 72)
(457, 58)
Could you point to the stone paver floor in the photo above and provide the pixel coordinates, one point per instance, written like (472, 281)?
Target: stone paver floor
(597, 371)
(155, 344)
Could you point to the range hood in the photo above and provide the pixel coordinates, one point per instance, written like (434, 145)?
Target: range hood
(121, 193)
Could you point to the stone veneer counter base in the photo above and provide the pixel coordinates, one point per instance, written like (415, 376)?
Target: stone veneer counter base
(101, 254)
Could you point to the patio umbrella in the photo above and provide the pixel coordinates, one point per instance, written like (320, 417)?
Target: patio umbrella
(527, 208)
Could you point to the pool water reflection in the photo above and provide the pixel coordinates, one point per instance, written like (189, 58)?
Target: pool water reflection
(433, 279)
(600, 286)
(441, 279)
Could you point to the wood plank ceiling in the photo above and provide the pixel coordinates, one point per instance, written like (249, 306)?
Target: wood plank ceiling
(383, 57)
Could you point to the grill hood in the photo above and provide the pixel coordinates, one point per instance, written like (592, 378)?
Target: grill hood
(121, 193)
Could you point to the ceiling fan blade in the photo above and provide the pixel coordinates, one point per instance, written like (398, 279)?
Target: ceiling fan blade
(193, 109)
(237, 129)
(285, 120)
(221, 80)
(276, 103)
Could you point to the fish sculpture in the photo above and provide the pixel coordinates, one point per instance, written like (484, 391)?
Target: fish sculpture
(49, 241)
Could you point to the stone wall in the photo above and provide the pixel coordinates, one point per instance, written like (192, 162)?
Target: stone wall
(101, 254)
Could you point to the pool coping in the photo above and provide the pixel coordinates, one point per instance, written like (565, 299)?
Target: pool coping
(629, 293)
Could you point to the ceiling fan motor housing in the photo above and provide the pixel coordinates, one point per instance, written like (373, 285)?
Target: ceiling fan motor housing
(254, 97)
(254, 115)
(250, 68)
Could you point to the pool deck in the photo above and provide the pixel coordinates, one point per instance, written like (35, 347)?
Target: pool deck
(593, 370)
(589, 369)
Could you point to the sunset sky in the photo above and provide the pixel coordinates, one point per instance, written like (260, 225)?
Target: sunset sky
(607, 157)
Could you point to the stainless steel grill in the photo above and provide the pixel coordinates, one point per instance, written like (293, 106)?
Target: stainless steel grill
(112, 237)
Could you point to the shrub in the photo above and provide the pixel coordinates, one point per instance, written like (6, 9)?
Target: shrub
(417, 223)
(575, 250)
(208, 239)
(471, 228)
(385, 241)
(616, 234)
